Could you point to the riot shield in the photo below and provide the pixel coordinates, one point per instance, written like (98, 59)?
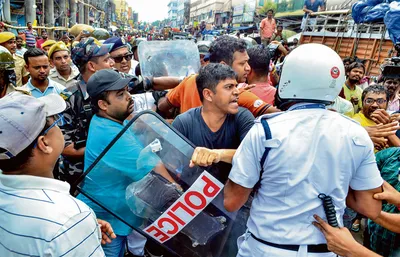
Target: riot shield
(185, 216)
(178, 58)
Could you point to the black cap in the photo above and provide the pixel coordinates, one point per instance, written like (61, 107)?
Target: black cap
(106, 80)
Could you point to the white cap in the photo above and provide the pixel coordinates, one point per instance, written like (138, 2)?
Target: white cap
(22, 118)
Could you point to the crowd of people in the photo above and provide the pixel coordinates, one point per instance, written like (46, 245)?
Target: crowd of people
(283, 133)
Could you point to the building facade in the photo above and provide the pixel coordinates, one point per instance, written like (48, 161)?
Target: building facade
(215, 12)
(173, 12)
(183, 12)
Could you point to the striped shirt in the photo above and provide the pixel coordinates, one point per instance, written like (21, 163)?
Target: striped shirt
(30, 37)
(38, 217)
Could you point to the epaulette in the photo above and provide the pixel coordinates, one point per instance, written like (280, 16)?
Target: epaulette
(67, 93)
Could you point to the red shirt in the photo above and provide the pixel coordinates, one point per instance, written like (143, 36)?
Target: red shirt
(265, 92)
(40, 42)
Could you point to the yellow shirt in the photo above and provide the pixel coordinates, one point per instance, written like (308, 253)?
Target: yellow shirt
(357, 92)
(364, 121)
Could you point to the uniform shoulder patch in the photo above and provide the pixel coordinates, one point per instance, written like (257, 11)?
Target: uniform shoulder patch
(66, 94)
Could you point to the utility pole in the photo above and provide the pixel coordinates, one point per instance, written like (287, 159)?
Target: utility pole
(73, 13)
(30, 11)
(7, 13)
(81, 13)
(63, 14)
(49, 16)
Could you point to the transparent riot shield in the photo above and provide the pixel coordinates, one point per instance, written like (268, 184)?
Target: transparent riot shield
(168, 58)
(153, 190)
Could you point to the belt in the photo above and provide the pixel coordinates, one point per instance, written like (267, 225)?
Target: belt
(322, 248)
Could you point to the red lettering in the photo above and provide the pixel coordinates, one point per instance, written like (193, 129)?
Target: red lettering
(203, 200)
(161, 222)
(159, 233)
(170, 213)
(184, 207)
(210, 185)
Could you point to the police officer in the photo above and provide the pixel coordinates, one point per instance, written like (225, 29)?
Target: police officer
(7, 73)
(304, 158)
(89, 56)
(7, 39)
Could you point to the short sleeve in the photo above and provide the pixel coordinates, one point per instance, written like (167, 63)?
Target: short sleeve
(244, 122)
(253, 103)
(245, 164)
(179, 125)
(174, 95)
(367, 175)
(79, 236)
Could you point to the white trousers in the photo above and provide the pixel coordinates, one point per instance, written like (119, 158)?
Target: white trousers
(249, 247)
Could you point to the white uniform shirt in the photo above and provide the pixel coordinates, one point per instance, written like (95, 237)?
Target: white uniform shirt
(38, 217)
(313, 151)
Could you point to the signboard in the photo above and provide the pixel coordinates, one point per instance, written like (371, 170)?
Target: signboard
(238, 10)
(186, 208)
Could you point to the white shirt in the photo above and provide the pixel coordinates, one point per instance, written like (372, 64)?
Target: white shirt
(313, 151)
(38, 217)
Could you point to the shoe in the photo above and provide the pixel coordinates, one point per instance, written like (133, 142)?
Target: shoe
(355, 227)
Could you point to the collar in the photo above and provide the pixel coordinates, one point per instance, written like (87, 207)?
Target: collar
(33, 182)
(74, 72)
(31, 87)
(301, 106)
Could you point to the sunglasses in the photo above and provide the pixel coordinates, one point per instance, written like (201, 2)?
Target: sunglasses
(59, 121)
(127, 57)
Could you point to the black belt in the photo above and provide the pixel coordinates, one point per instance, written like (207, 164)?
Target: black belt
(322, 248)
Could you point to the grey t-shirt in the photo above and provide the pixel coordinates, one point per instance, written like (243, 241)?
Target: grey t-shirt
(229, 136)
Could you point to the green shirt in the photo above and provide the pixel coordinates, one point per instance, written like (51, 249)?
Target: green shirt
(383, 241)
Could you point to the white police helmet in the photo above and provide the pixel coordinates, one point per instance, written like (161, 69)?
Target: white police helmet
(311, 73)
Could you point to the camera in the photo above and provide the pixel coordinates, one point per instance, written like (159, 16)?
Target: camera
(392, 69)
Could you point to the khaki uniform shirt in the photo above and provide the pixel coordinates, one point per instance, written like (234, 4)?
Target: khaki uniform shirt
(55, 76)
(20, 70)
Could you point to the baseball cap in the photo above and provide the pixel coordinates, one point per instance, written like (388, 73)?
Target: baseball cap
(84, 51)
(117, 42)
(203, 49)
(5, 36)
(22, 118)
(106, 80)
(59, 46)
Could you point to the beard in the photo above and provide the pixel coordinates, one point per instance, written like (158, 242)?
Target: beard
(354, 81)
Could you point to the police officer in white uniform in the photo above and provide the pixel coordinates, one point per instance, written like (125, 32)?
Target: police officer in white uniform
(313, 151)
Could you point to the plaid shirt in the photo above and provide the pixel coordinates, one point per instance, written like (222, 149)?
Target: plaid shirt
(383, 241)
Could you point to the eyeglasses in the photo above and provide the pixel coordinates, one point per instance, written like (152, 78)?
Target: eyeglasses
(127, 57)
(59, 121)
(378, 101)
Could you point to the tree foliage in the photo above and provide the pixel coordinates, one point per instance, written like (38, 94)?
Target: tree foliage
(269, 4)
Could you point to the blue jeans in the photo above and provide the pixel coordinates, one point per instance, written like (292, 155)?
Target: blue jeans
(116, 248)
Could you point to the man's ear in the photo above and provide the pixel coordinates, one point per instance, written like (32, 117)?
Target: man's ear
(208, 94)
(90, 67)
(222, 62)
(102, 105)
(43, 145)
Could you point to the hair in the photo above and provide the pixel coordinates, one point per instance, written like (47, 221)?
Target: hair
(28, 22)
(348, 59)
(82, 68)
(270, 10)
(95, 101)
(33, 52)
(18, 38)
(43, 31)
(355, 65)
(20, 160)
(212, 74)
(376, 89)
(223, 48)
(259, 60)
